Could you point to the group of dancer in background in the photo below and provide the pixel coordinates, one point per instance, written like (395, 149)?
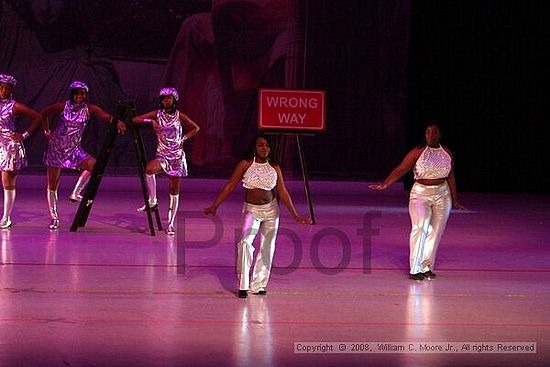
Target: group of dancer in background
(261, 176)
(65, 150)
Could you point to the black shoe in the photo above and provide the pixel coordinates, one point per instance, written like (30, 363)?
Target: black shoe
(429, 274)
(243, 293)
(263, 292)
(417, 276)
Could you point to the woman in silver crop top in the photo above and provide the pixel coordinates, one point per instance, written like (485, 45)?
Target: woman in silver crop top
(261, 180)
(431, 199)
(12, 151)
(168, 123)
(64, 143)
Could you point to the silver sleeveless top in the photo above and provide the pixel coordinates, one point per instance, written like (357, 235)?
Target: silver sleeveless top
(12, 153)
(170, 153)
(260, 176)
(7, 119)
(64, 151)
(73, 120)
(432, 164)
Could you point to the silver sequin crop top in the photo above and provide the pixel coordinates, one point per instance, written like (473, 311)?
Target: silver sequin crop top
(432, 164)
(260, 176)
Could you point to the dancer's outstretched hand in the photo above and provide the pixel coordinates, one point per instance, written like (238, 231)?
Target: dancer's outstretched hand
(209, 211)
(303, 220)
(378, 187)
(458, 205)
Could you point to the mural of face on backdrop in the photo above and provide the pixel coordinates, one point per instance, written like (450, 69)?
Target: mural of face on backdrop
(50, 43)
(217, 54)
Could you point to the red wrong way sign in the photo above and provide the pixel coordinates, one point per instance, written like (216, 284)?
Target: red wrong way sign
(291, 109)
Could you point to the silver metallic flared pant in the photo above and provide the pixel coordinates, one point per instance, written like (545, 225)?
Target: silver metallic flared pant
(429, 209)
(264, 218)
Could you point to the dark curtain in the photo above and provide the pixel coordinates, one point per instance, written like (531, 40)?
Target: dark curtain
(478, 67)
(358, 53)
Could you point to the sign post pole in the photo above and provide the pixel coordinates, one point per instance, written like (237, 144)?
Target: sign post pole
(305, 177)
(297, 112)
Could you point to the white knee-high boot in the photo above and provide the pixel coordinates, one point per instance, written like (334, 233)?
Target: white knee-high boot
(9, 199)
(151, 183)
(172, 211)
(81, 183)
(52, 208)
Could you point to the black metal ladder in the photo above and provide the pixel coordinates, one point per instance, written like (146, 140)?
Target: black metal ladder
(125, 112)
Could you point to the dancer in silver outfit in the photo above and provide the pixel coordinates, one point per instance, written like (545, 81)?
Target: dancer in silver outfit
(260, 177)
(431, 199)
(64, 143)
(12, 151)
(167, 122)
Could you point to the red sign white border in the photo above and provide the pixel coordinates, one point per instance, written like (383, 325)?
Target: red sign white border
(262, 126)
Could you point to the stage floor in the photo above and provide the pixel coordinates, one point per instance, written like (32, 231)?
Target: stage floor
(110, 294)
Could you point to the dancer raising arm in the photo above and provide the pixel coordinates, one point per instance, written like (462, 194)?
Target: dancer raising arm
(168, 124)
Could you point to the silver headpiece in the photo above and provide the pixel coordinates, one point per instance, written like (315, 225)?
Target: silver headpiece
(169, 92)
(7, 79)
(79, 85)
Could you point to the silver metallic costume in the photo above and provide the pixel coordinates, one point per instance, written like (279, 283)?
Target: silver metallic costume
(429, 208)
(170, 138)
(258, 217)
(12, 153)
(433, 163)
(170, 155)
(260, 176)
(266, 219)
(65, 150)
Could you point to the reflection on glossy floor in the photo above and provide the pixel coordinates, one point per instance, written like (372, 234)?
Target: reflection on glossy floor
(112, 295)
